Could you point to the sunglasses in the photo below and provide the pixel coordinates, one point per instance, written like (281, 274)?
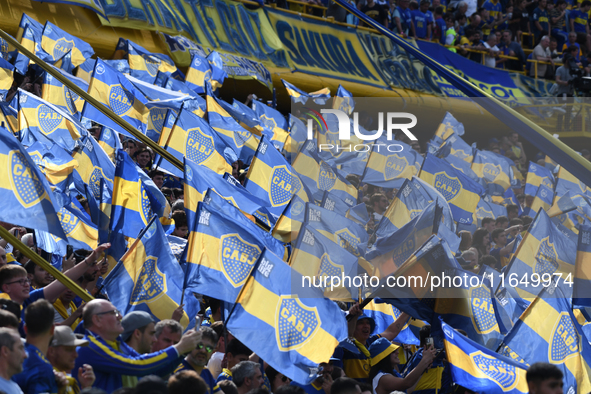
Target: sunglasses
(208, 349)
(284, 379)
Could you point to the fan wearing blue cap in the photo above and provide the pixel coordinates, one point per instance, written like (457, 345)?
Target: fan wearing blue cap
(384, 374)
(361, 327)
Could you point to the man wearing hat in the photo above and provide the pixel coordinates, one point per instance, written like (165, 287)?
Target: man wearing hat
(322, 384)
(62, 356)
(139, 332)
(361, 327)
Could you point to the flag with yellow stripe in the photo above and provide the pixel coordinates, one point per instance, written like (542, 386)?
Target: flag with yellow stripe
(57, 43)
(292, 327)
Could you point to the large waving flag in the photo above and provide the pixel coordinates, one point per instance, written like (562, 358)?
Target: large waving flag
(274, 121)
(544, 251)
(8, 117)
(488, 209)
(494, 170)
(148, 277)
(319, 176)
(289, 223)
(321, 260)
(536, 176)
(542, 200)
(93, 165)
(461, 192)
(193, 138)
(199, 74)
(111, 88)
(549, 332)
(390, 169)
(60, 95)
(581, 288)
(38, 120)
(297, 95)
(385, 314)
(222, 252)
(292, 327)
(145, 65)
(567, 182)
(246, 117)
(480, 369)
(58, 43)
(132, 203)
(55, 163)
(271, 178)
(345, 232)
(242, 141)
(218, 74)
(110, 142)
(6, 77)
(81, 232)
(27, 197)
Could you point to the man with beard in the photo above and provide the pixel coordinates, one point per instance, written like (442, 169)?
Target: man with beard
(198, 358)
(38, 276)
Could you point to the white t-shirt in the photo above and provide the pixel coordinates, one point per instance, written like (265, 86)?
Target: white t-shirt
(490, 61)
(376, 381)
(215, 364)
(9, 387)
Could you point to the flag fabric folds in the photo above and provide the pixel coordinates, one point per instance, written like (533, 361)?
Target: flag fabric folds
(199, 74)
(81, 232)
(148, 277)
(57, 43)
(581, 288)
(293, 329)
(536, 176)
(390, 169)
(25, 192)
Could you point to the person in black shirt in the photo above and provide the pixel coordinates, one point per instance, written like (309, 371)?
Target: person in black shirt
(519, 23)
(375, 12)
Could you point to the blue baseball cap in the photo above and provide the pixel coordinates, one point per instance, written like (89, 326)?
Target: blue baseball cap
(380, 349)
(372, 322)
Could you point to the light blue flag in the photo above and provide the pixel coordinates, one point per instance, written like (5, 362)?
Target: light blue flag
(41, 121)
(60, 95)
(58, 43)
(390, 169)
(199, 74)
(154, 92)
(218, 74)
(26, 194)
(298, 133)
(148, 277)
(55, 163)
(273, 121)
(177, 86)
(537, 175)
(344, 101)
(93, 165)
(293, 328)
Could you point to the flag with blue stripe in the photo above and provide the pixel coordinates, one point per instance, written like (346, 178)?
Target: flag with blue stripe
(154, 92)
(343, 101)
(296, 138)
(60, 95)
(199, 74)
(26, 195)
(385, 314)
(390, 169)
(145, 65)
(6, 77)
(567, 182)
(93, 165)
(113, 90)
(582, 276)
(288, 225)
(218, 74)
(297, 95)
(55, 163)
(110, 142)
(81, 232)
(494, 170)
(461, 192)
(292, 327)
(274, 121)
(39, 120)
(148, 277)
(57, 43)
(536, 176)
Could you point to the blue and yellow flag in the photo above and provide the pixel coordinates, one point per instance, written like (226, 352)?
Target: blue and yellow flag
(110, 142)
(343, 101)
(461, 192)
(60, 95)
(545, 250)
(57, 43)
(292, 327)
(55, 163)
(297, 136)
(297, 95)
(543, 199)
(6, 77)
(93, 165)
(289, 223)
(488, 209)
(581, 288)
(156, 93)
(242, 141)
(494, 170)
(335, 204)
(463, 166)
(323, 262)
(84, 71)
(27, 197)
(385, 314)
(319, 176)
(448, 127)
(246, 117)
(549, 332)
(174, 85)
(8, 117)
(160, 119)
(218, 74)
(222, 252)
(247, 202)
(567, 182)
(274, 121)
(480, 369)
(387, 169)
(412, 198)
(112, 89)
(536, 176)
(93, 5)
(271, 178)
(148, 277)
(31, 40)
(192, 138)
(343, 231)
(199, 74)
(392, 250)
(81, 232)
(132, 203)
(145, 65)
(39, 120)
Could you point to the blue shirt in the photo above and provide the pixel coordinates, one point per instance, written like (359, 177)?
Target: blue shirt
(205, 375)
(405, 20)
(37, 375)
(542, 17)
(430, 383)
(494, 10)
(225, 375)
(440, 23)
(420, 20)
(580, 20)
